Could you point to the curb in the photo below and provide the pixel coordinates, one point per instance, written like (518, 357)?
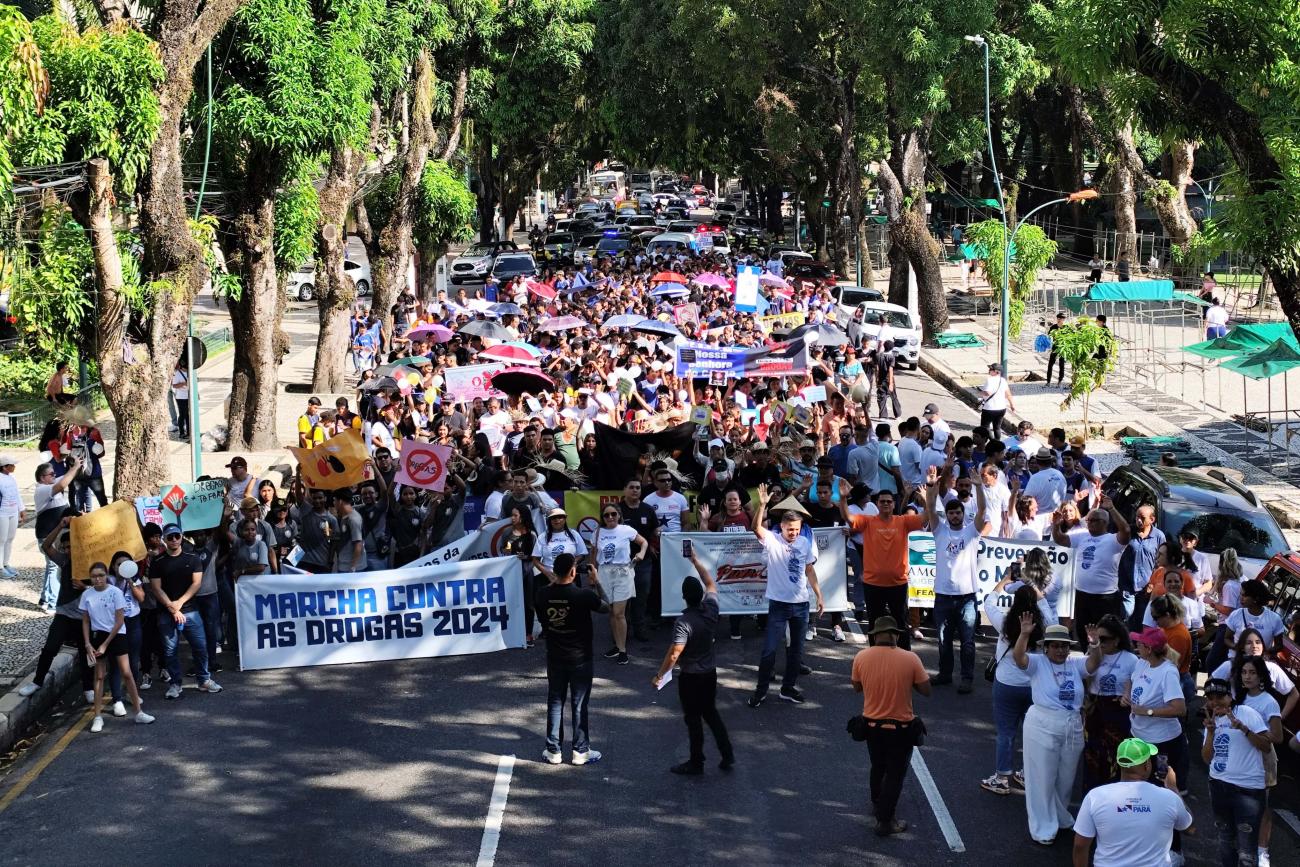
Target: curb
(951, 382)
(17, 713)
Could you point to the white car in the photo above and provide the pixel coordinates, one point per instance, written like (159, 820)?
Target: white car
(876, 321)
(847, 299)
(301, 285)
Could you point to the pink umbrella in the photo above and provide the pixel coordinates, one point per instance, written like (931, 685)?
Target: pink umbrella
(711, 280)
(435, 332)
(772, 280)
(511, 355)
(541, 290)
(562, 323)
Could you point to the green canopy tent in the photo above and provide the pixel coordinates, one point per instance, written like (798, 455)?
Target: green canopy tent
(1131, 291)
(1266, 362)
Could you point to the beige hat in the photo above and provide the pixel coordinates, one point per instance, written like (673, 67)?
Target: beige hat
(7, 461)
(790, 504)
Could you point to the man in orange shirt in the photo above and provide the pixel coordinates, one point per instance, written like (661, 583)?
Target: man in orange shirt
(884, 558)
(886, 674)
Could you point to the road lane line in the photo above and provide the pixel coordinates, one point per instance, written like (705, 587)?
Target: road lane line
(44, 761)
(937, 805)
(855, 630)
(487, 850)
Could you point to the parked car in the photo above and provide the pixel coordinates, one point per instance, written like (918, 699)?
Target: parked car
(821, 275)
(301, 285)
(586, 247)
(1281, 575)
(875, 321)
(1224, 512)
(558, 246)
(847, 299)
(474, 264)
(511, 265)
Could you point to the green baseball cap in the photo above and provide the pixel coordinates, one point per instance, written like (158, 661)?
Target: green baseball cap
(1134, 751)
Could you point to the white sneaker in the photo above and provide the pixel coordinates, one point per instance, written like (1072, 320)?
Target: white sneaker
(143, 718)
(97, 725)
(586, 758)
(90, 696)
(1261, 857)
(27, 689)
(173, 691)
(810, 634)
(119, 709)
(552, 758)
(209, 685)
(837, 634)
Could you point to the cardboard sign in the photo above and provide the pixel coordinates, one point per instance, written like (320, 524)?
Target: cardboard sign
(701, 415)
(815, 394)
(625, 388)
(98, 535)
(197, 506)
(338, 462)
(802, 415)
(423, 465)
(687, 313)
(718, 377)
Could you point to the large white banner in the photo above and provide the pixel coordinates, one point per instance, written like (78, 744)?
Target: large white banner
(478, 545)
(738, 565)
(992, 560)
(471, 381)
(290, 621)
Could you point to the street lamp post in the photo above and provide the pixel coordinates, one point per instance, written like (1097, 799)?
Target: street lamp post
(1002, 205)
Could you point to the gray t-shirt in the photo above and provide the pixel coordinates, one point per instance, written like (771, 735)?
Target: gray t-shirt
(243, 555)
(350, 532)
(695, 630)
(313, 539)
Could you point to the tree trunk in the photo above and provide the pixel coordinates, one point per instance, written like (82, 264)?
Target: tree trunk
(864, 253)
(898, 273)
(1169, 201)
(773, 220)
(846, 184)
(255, 317)
(903, 184)
(172, 260)
(487, 189)
(1125, 199)
(335, 290)
(426, 275)
(455, 119)
(395, 238)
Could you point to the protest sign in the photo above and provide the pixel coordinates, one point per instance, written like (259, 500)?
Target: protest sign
(196, 506)
(625, 388)
(701, 415)
(339, 462)
(466, 383)
(423, 465)
(304, 620)
(992, 561)
(686, 313)
(483, 543)
(781, 320)
(583, 509)
(739, 566)
(814, 394)
(746, 300)
(703, 360)
(96, 536)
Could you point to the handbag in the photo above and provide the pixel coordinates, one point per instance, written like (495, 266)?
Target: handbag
(991, 667)
(857, 727)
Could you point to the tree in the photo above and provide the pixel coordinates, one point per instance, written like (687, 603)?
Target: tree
(1033, 251)
(1090, 350)
(24, 85)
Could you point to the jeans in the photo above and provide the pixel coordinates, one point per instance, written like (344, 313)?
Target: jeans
(134, 633)
(1237, 813)
(171, 645)
(1179, 756)
(778, 615)
(698, 694)
(891, 754)
(63, 630)
(1213, 331)
(229, 621)
(210, 611)
(571, 679)
(83, 487)
(375, 563)
(853, 556)
(880, 601)
(1010, 703)
(183, 418)
(50, 592)
(1130, 602)
(884, 399)
(956, 614)
(638, 606)
(991, 421)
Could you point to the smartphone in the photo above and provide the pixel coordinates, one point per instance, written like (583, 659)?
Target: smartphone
(1162, 767)
(688, 548)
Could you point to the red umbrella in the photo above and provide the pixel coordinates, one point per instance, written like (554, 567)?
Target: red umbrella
(511, 355)
(668, 277)
(541, 290)
(517, 380)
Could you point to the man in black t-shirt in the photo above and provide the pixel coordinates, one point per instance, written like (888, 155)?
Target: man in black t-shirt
(174, 579)
(565, 612)
(640, 517)
(697, 683)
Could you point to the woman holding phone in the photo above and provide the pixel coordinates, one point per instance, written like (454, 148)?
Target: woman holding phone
(615, 569)
(103, 610)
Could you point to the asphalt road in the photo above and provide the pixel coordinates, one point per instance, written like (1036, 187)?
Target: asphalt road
(396, 763)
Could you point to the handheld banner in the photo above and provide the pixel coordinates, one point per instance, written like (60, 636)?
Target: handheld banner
(339, 462)
(746, 300)
(992, 561)
(196, 506)
(740, 568)
(96, 536)
(423, 465)
(483, 543)
(463, 384)
(303, 620)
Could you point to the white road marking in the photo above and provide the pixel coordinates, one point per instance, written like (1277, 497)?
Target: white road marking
(1290, 818)
(487, 851)
(855, 630)
(937, 805)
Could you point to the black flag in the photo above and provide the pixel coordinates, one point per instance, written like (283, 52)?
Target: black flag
(619, 451)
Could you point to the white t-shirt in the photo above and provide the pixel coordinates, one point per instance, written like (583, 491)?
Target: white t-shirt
(996, 389)
(1132, 822)
(44, 498)
(103, 606)
(564, 542)
(787, 580)
(1057, 687)
(614, 546)
(997, 499)
(1235, 759)
(378, 430)
(1048, 489)
(1115, 671)
(1154, 688)
(940, 430)
(1096, 568)
(1007, 671)
(180, 385)
(1264, 705)
(1216, 316)
(954, 573)
(1268, 623)
(1282, 684)
(669, 510)
(1193, 613)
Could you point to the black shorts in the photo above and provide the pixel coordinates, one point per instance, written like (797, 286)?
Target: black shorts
(116, 647)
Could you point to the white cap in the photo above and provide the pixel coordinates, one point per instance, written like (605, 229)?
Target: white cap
(8, 461)
(716, 443)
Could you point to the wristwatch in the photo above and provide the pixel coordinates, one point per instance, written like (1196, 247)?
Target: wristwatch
(1151, 711)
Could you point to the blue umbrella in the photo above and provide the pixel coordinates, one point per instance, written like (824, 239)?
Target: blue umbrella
(655, 326)
(622, 320)
(507, 308)
(670, 289)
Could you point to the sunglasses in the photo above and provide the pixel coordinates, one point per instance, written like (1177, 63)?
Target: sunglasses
(611, 514)
(171, 536)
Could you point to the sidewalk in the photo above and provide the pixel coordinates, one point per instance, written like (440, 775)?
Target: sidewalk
(22, 624)
(1121, 407)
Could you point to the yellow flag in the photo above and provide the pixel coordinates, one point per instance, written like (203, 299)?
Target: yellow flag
(336, 463)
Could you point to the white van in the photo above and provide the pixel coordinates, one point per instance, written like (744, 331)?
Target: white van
(670, 244)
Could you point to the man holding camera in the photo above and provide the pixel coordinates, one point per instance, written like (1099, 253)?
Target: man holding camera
(1132, 821)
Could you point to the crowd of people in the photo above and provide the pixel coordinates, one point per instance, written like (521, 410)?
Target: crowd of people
(596, 345)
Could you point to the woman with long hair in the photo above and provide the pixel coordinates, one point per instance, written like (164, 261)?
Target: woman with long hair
(519, 542)
(1250, 685)
(1224, 598)
(1012, 696)
(1251, 643)
(1105, 718)
(1154, 697)
(1036, 571)
(1236, 739)
(1169, 614)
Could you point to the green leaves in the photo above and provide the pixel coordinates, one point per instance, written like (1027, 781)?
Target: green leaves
(444, 207)
(1033, 251)
(23, 85)
(1091, 352)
